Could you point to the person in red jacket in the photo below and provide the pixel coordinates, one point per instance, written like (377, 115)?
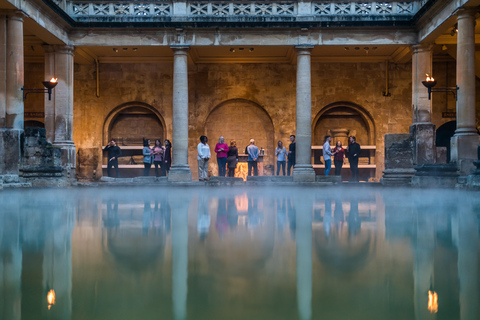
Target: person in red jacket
(221, 150)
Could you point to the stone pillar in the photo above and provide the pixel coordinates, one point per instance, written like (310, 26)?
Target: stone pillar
(465, 141)
(15, 71)
(10, 137)
(303, 171)
(59, 110)
(3, 71)
(180, 170)
(422, 129)
(50, 104)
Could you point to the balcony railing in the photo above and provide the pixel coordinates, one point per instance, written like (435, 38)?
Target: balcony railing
(231, 10)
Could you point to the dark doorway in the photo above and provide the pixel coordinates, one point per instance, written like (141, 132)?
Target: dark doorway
(33, 124)
(444, 133)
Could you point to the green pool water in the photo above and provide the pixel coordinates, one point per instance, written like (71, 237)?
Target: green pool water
(239, 253)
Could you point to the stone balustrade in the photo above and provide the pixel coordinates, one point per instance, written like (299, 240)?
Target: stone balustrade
(238, 10)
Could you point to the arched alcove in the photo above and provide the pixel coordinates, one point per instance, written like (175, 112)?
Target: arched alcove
(343, 119)
(241, 120)
(129, 123)
(33, 124)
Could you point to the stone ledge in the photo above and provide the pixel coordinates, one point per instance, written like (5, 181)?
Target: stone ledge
(332, 179)
(270, 178)
(17, 185)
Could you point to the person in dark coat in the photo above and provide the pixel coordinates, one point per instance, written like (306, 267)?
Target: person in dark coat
(232, 158)
(167, 158)
(353, 151)
(114, 153)
(291, 154)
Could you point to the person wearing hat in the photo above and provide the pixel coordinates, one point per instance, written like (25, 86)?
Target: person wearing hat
(253, 154)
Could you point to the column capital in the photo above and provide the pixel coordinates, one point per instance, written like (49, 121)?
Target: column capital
(304, 49)
(52, 48)
(422, 47)
(16, 15)
(180, 49)
(464, 13)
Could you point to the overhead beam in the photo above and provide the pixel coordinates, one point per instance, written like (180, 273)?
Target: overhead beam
(42, 21)
(439, 18)
(277, 37)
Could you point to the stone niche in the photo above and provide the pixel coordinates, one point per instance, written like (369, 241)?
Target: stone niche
(132, 124)
(241, 120)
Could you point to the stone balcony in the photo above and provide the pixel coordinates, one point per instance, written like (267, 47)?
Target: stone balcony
(327, 13)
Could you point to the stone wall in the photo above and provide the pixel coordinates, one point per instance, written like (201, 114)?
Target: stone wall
(35, 102)
(270, 87)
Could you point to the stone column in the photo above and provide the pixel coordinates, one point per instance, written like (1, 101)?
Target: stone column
(3, 71)
(50, 104)
(13, 98)
(62, 104)
(303, 171)
(180, 170)
(422, 129)
(465, 141)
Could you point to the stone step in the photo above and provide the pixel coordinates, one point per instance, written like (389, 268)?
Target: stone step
(17, 185)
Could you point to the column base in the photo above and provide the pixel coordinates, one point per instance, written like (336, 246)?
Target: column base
(464, 152)
(180, 173)
(423, 143)
(303, 173)
(68, 157)
(10, 151)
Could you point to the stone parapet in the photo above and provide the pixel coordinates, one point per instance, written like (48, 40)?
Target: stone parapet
(241, 12)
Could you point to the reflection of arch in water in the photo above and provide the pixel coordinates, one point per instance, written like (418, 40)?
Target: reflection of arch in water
(344, 115)
(241, 120)
(345, 256)
(127, 244)
(131, 122)
(243, 250)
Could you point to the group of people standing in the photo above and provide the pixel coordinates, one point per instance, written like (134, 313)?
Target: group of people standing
(160, 156)
(338, 154)
(227, 156)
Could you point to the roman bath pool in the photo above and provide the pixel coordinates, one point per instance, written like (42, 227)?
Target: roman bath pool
(239, 253)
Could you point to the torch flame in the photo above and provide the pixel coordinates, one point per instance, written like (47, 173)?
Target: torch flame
(51, 298)
(429, 79)
(432, 301)
(53, 80)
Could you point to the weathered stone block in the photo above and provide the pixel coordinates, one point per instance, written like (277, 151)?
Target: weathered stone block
(423, 135)
(89, 164)
(441, 155)
(332, 179)
(398, 151)
(10, 150)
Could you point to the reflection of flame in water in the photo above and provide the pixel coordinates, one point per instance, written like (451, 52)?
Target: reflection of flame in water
(51, 298)
(432, 301)
(242, 170)
(241, 202)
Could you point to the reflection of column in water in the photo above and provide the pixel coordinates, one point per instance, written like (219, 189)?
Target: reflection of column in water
(292, 217)
(147, 216)
(179, 205)
(10, 268)
(327, 218)
(423, 264)
(338, 215)
(353, 220)
(466, 239)
(304, 209)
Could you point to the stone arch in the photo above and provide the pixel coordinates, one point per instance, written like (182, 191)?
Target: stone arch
(242, 119)
(138, 112)
(33, 124)
(342, 118)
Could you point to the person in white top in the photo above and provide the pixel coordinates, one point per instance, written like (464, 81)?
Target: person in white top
(327, 154)
(203, 156)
